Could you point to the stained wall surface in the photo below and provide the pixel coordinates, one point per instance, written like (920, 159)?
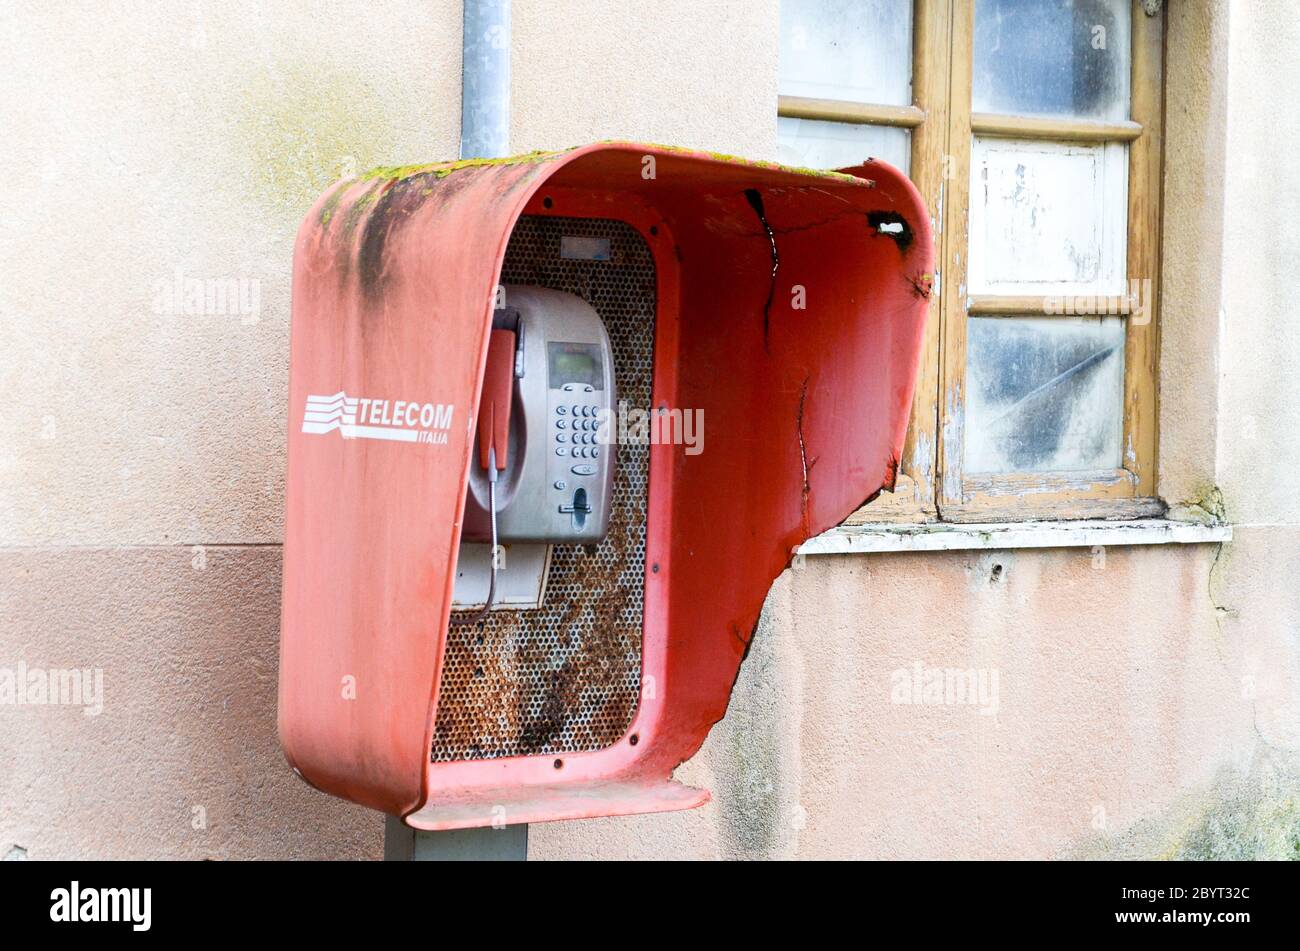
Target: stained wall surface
(1140, 702)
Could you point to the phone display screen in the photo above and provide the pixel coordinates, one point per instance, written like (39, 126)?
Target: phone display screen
(574, 363)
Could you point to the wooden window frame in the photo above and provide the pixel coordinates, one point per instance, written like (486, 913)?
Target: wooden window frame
(932, 485)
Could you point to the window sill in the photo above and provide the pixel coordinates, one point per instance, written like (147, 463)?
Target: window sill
(940, 536)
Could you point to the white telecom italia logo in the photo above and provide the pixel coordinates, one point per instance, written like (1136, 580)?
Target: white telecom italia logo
(360, 418)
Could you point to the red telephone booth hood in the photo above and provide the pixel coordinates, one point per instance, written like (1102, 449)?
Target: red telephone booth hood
(790, 310)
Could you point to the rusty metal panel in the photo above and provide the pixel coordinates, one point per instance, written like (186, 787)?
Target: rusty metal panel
(566, 678)
(805, 411)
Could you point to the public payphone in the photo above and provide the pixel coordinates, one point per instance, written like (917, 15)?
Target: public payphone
(544, 444)
(772, 301)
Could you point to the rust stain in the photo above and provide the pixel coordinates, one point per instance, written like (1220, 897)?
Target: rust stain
(891, 473)
(566, 677)
(484, 684)
(922, 285)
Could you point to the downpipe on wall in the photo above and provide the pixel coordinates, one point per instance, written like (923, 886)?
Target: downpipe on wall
(485, 80)
(484, 133)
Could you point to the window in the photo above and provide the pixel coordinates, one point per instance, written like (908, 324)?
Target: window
(1033, 130)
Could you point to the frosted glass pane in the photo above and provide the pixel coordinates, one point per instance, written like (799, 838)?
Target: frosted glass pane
(811, 143)
(1048, 218)
(1052, 58)
(853, 50)
(1044, 394)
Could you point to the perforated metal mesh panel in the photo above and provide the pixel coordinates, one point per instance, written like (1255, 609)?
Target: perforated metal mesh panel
(566, 678)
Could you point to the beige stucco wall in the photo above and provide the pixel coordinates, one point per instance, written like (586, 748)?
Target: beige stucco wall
(1148, 700)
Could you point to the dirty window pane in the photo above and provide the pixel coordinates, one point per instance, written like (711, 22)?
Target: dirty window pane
(851, 50)
(1044, 394)
(1052, 58)
(814, 144)
(1048, 218)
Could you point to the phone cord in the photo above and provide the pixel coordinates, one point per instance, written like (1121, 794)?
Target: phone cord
(492, 509)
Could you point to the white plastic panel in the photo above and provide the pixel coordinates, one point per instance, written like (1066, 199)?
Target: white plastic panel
(811, 143)
(1047, 218)
(1068, 58)
(1044, 394)
(521, 577)
(852, 50)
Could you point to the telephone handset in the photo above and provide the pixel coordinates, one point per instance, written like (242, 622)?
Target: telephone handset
(543, 467)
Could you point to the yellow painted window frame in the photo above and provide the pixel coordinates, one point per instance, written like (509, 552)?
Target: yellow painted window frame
(932, 485)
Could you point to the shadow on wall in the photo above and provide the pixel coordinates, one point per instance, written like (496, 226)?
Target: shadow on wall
(757, 791)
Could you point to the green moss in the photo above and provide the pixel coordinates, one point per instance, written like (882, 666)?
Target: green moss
(332, 203)
(358, 207)
(739, 160)
(443, 169)
(302, 128)
(1249, 816)
(378, 179)
(305, 127)
(1205, 505)
(1244, 827)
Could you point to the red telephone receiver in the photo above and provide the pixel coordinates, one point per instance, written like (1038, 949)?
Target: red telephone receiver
(494, 406)
(494, 431)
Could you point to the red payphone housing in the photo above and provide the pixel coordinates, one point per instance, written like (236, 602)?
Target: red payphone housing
(787, 305)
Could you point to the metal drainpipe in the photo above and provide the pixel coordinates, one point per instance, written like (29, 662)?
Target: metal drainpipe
(484, 133)
(485, 80)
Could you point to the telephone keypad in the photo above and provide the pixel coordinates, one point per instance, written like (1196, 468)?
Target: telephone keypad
(576, 427)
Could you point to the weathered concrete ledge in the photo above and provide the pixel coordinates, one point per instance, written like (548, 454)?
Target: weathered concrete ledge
(940, 536)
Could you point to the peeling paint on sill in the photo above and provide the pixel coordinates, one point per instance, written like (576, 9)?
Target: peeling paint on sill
(939, 536)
